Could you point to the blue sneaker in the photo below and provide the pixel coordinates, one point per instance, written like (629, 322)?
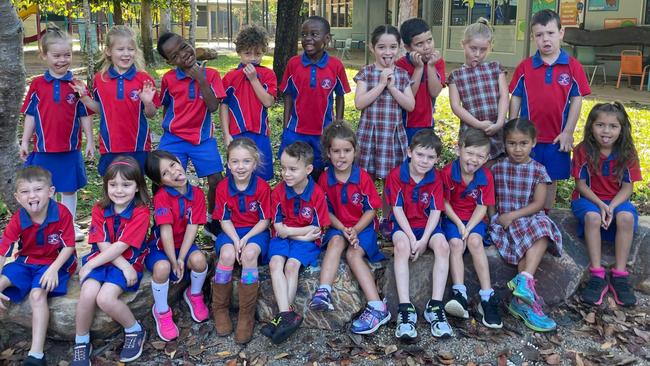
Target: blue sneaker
(321, 301)
(370, 320)
(532, 316)
(523, 288)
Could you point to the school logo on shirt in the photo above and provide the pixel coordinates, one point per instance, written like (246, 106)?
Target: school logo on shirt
(305, 212)
(564, 79)
(71, 98)
(252, 206)
(93, 229)
(356, 198)
(161, 211)
(474, 193)
(424, 198)
(134, 95)
(326, 83)
(54, 239)
(188, 213)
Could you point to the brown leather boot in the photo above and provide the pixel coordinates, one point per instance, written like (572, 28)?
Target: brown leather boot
(246, 318)
(221, 294)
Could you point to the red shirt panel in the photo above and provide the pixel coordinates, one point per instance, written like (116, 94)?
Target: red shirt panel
(178, 210)
(425, 104)
(462, 197)
(244, 208)
(300, 210)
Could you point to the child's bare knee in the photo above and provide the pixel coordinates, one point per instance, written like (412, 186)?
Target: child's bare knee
(592, 219)
(624, 220)
(227, 255)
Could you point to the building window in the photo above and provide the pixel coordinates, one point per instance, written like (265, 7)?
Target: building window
(201, 16)
(459, 12)
(482, 9)
(505, 12)
(499, 12)
(339, 13)
(437, 9)
(647, 12)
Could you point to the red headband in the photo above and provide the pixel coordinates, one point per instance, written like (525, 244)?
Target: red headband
(122, 163)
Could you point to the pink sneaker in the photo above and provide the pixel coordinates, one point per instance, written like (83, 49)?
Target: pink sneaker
(198, 309)
(165, 326)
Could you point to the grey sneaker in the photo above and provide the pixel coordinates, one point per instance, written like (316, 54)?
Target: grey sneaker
(406, 320)
(133, 346)
(435, 314)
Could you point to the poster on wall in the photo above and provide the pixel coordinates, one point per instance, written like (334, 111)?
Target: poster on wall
(544, 4)
(572, 12)
(603, 5)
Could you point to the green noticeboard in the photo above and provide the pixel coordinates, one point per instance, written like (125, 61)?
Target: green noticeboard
(544, 4)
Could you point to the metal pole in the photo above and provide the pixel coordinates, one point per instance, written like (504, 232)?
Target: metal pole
(366, 55)
(529, 9)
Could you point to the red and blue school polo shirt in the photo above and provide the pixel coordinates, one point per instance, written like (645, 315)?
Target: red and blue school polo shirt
(462, 197)
(546, 92)
(246, 111)
(129, 227)
(123, 126)
(416, 199)
(57, 110)
(39, 243)
(605, 183)
(312, 85)
(348, 201)
(244, 208)
(425, 104)
(186, 114)
(300, 209)
(178, 210)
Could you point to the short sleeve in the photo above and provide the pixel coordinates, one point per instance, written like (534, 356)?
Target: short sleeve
(578, 162)
(633, 173)
(342, 86)
(438, 202)
(162, 212)
(446, 183)
(320, 206)
(66, 223)
(199, 211)
(29, 104)
(362, 75)
(487, 191)
(264, 200)
(403, 81)
(452, 77)
(393, 190)
(440, 69)
(165, 99)
(580, 78)
(541, 176)
(10, 235)
(517, 82)
(216, 84)
(97, 231)
(276, 204)
(135, 230)
(288, 72)
(221, 210)
(270, 82)
(369, 190)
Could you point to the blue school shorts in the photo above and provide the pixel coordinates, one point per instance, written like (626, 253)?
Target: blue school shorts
(265, 169)
(67, 168)
(556, 162)
(451, 230)
(261, 240)
(305, 252)
(156, 255)
(25, 277)
(205, 156)
(289, 137)
(581, 206)
(367, 242)
(111, 274)
(418, 231)
(106, 159)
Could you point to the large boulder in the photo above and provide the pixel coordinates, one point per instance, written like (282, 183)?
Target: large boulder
(206, 53)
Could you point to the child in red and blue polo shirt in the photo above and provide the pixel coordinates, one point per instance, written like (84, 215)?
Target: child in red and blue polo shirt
(605, 167)
(45, 258)
(469, 190)
(299, 214)
(124, 97)
(179, 209)
(426, 68)
(414, 190)
(118, 230)
(54, 120)
(250, 90)
(309, 84)
(547, 88)
(190, 94)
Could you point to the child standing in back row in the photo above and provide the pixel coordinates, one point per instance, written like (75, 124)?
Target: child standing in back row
(547, 89)
(478, 91)
(309, 84)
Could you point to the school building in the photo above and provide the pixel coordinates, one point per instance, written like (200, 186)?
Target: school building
(355, 19)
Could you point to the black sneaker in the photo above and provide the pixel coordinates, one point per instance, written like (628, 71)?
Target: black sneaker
(212, 229)
(81, 354)
(33, 361)
(289, 324)
(594, 291)
(133, 346)
(490, 314)
(269, 328)
(623, 293)
(457, 305)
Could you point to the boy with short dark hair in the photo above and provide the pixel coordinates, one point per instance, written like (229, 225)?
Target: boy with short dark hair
(426, 68)
(190, 93)
(547, 88)
(44, 233)
(299, 217)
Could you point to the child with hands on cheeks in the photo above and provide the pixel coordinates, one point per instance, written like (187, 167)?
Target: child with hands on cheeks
(45, 259)
(244, 209)
(179, 209)
(116, 260)
(352, 200)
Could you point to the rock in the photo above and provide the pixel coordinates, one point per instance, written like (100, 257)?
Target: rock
(206, 53)
(347, 297)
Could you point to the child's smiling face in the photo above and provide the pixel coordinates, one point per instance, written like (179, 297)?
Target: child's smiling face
(172, 174)
(314, 38)
(179, 52)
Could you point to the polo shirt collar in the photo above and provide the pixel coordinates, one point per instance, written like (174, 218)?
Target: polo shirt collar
(52, 216)
(322, 63)
(242, 65)
(305, 195)
(189, 193)
(127, 213)
(180, 74)
(128, 75)
(49, 78)
(605, 171)
(250, 189)
(355, 175)
(562, 59)
(405, 174)
(480, 179)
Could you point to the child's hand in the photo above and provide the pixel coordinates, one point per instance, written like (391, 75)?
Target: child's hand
(605, 216)
(90, 150)
(434, 58)
(493, 129)
(84, 271)
(79, 87)
(281, 231)
(239, 247)
(352, 236)
(416, 249)
(227, 139)
(315, 234)
(3, 298)
(24, 151)
(462, 230)
(485, 125)
(504, 220)
(196, 72)
(131, 275)
(148, 92)
(416, 59)
(250, 72)
(179, 269)
(565, 140)
(385, 77)
(50, 280)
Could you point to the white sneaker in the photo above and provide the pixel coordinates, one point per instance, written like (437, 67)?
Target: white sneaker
(406, 320)
(78, 234)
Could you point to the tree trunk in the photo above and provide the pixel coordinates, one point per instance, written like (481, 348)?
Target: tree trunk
(165, 19)
(407, 9)
(145, 31)
(286, 35)
(88, 46)
(117, 12)
(192, 37)
(12, 89)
